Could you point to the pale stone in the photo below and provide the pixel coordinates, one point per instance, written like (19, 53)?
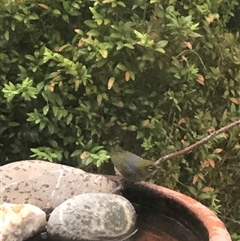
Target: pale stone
(46, 185)
(92, 216)
(20, 221)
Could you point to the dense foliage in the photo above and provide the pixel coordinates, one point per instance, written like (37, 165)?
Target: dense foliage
(155, 76)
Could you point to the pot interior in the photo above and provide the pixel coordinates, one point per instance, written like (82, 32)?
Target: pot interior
(161, 218)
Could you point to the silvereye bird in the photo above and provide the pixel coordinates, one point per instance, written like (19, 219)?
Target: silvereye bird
(131, 166)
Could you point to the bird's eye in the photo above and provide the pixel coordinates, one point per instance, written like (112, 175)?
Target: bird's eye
(151, 168)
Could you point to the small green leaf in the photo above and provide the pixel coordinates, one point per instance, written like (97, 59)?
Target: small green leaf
(104, 53)
(162, 44)
(128, 45)
(69, 118)
(13, 124)
(56, 12)
(55, 110)
(45, 109)
(76, 153)
(121, 66)
(77, 84)
(90, 23)
(30, 57)
(6, 35)
(42, 125)
(99, 21)
(95, 13)
(93, 32)
(66, 18)
(138, 34)
(121, 3)
(19, 17)
(99, 99)
(159, 49)
(132, 128)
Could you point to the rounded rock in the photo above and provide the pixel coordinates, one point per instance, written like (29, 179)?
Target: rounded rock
(47, 185)
(92, 216)
(20, 221)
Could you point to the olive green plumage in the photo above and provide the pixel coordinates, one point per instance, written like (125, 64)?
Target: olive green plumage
(130, 165)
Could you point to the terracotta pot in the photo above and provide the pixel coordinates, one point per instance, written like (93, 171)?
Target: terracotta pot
(201, 221)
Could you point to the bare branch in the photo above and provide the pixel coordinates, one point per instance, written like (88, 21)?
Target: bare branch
(197, 144)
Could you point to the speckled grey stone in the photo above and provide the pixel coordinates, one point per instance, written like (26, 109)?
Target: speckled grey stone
(46, 185)
(92, 216)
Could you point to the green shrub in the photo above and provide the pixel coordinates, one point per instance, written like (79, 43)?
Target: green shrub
(80, 76)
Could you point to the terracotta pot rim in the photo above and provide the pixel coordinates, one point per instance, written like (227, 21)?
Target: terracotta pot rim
(215, 227)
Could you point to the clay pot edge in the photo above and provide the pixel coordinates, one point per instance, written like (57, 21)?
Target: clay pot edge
(215, 227)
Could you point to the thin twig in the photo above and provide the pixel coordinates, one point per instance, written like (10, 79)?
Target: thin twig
(192, 51)
(230, 219)
(197, 144)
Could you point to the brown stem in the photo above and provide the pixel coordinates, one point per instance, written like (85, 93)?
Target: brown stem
(197, 144)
